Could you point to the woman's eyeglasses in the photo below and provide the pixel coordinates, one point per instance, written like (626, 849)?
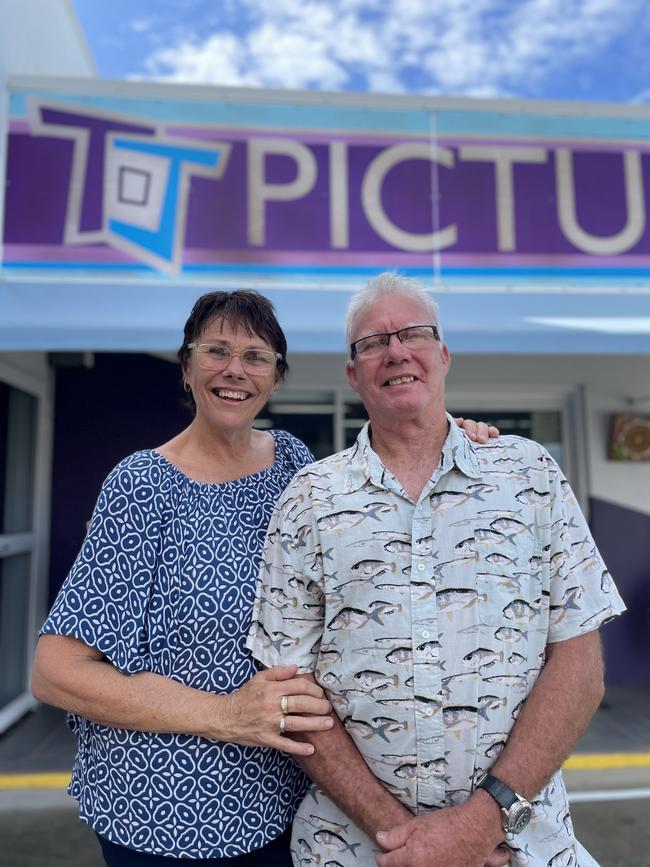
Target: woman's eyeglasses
(217, 356)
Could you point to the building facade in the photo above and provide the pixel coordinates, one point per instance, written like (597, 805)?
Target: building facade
(123, 202)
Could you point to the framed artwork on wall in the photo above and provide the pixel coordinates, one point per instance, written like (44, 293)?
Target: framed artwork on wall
(629, 438)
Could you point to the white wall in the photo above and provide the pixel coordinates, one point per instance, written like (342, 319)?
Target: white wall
(38, 37)
(508, 382)
(42, 37)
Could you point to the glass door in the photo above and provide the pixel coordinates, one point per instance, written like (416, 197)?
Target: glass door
(21, 544)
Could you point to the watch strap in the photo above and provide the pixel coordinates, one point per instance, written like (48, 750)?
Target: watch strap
(502, 794)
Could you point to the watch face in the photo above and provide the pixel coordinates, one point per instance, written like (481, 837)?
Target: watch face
(518, 817)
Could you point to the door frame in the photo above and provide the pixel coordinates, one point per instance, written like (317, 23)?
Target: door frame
(30, 373)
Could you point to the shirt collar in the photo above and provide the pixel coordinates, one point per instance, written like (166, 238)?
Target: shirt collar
(461, 451)
(365, 464)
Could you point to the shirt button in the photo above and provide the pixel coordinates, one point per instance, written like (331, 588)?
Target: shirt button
(421, 567)
(425, 633)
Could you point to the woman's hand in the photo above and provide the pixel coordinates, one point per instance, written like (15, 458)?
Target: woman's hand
(253, 713)
(477, 431)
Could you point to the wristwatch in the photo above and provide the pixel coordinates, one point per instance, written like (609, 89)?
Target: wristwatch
(515, 808)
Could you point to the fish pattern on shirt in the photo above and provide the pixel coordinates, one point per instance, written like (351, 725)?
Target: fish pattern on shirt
(427, 623)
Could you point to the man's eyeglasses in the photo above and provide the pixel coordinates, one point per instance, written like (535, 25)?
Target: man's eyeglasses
(413, 337)
(217, 356)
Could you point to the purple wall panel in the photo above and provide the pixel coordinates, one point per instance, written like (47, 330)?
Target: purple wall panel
(99, 419)
(35, 206)
(623, 538)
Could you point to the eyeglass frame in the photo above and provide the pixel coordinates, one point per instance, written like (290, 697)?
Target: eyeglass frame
(353, 351)
(275, 354)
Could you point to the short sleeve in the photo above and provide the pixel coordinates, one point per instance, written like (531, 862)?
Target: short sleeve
(296, 454)
(289, 608)
(583, 595)
(104, 599)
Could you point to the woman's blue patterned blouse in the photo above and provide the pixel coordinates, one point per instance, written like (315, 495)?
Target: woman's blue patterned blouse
(165, 582)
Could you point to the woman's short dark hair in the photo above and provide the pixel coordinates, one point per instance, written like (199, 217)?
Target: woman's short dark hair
(243, 308)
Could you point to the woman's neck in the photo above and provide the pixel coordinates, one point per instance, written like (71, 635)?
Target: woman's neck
(208, 455)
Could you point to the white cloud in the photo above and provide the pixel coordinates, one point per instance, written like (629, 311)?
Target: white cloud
(219, 58)
(455, 47)
(292, 59)
(642, 97)
(384, 81)
(141, 25)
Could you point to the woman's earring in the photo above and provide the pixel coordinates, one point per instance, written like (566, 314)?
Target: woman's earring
(187, 386)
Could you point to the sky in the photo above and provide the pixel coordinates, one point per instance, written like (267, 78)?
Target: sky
(595, 50)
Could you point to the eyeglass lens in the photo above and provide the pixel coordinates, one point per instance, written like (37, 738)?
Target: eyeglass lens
(216, 357)
(413, 335)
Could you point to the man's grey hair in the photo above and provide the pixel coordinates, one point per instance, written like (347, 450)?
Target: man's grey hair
(388, 283)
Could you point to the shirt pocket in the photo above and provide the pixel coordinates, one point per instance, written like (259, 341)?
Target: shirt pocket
(506, 577)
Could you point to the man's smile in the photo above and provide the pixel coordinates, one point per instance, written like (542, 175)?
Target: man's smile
(400, 380)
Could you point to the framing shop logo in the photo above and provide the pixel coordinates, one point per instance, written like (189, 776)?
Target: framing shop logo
(129, 183)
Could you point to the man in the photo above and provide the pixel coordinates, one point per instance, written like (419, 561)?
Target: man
(447, 596)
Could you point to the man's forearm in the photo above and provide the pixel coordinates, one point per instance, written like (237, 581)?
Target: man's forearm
(555, 714)
(557, 711)
(339, 769)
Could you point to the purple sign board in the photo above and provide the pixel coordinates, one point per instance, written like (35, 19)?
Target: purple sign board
(122, 184)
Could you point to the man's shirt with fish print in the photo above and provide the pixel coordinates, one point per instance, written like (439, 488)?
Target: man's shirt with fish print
(426, 623)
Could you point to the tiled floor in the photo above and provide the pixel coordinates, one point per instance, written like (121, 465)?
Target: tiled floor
(42, 742)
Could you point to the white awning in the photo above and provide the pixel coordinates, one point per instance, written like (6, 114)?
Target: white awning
(148, 317)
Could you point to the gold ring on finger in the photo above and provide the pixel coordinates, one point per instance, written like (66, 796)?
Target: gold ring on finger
(281, 725)
(284, 704)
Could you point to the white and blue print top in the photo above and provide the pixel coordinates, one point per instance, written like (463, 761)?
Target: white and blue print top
(165, 583)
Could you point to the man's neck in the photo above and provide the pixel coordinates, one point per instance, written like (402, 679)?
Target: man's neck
(411, 452)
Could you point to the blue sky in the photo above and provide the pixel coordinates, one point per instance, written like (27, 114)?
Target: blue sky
(530, 49)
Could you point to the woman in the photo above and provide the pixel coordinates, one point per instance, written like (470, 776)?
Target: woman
(145, 642)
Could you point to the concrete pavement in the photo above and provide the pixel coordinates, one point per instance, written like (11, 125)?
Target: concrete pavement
(608, 780)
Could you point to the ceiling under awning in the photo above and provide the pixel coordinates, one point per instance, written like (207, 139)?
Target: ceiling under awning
(148, 317)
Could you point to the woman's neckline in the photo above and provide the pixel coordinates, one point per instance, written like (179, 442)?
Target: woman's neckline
(234, 481)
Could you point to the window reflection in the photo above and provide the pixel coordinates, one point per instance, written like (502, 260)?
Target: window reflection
(17, 455)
